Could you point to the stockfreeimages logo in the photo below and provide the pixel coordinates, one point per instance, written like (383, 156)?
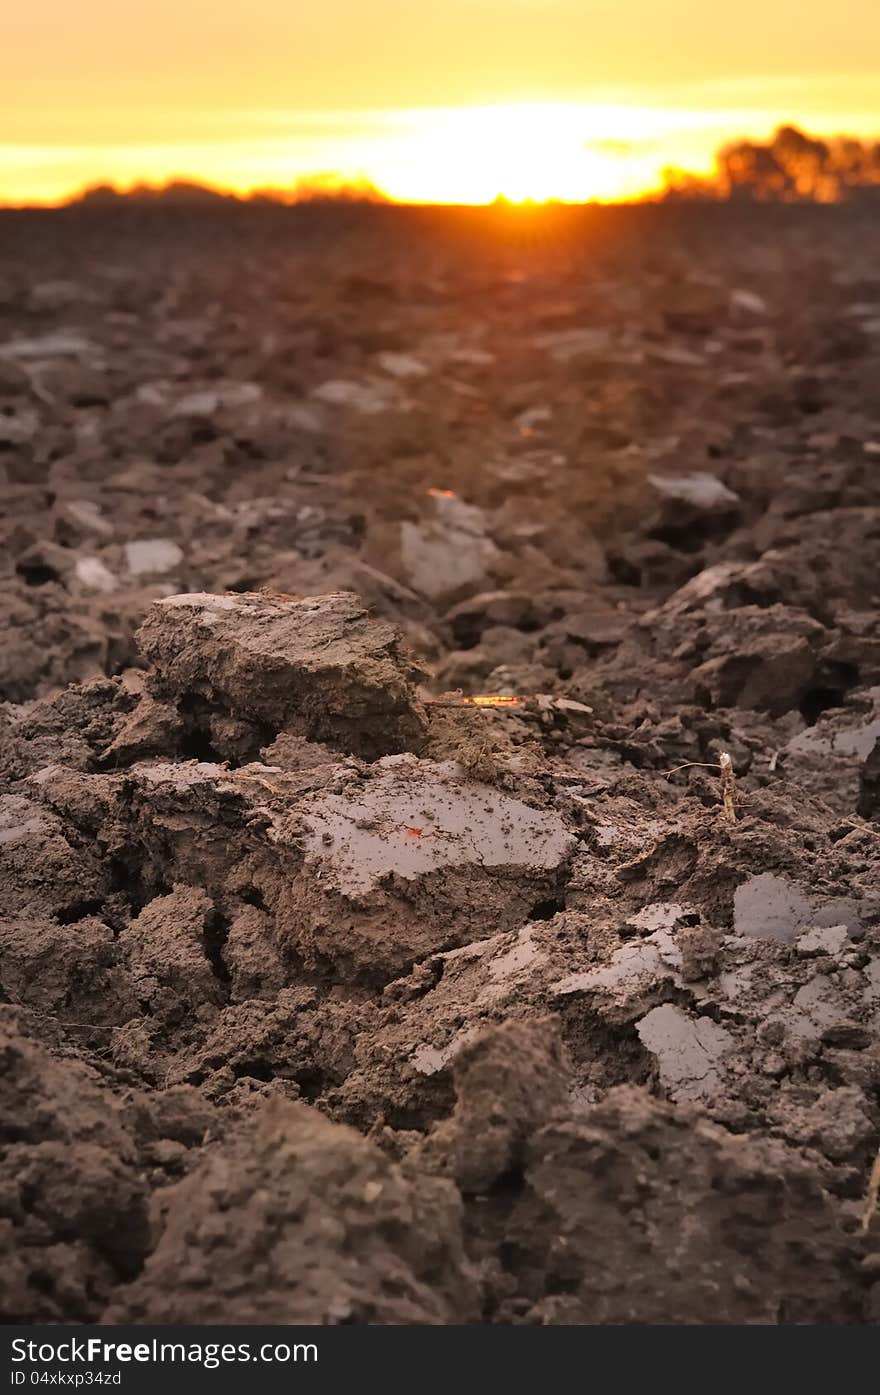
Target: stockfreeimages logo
(95, 1351)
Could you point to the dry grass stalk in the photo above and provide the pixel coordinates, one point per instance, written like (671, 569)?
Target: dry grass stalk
(724, 765)
(872, 1196)
(534, 702)
(728, 800)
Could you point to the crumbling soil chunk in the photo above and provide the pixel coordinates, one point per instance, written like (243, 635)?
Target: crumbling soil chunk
(319, 664)
(327, 1230)
(605, 1222)
(73, 1201)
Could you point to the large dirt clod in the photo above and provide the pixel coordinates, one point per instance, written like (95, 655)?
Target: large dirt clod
(361, 871)
(606, 1224)
(327, 1230)
(73, 1202)
(319, 664)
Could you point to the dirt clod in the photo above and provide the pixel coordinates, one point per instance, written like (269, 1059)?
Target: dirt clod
(327, 1230)
(319, 664)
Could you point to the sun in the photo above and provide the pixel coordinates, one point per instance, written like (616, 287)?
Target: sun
(529, 152)
(532, 153)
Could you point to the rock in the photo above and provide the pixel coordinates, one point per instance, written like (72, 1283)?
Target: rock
(402, 365)
(690, 508)
(319, 664)
(61, 343)
(449, 554)
(152, 556)
(95, 575)
(699, 491)
(567, 344)
(220, 397)
(370, 398)
(55, 295)
(749, 301)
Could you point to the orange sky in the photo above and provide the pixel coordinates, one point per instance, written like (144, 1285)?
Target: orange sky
(444, 99)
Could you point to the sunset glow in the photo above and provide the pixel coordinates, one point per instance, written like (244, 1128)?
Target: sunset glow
(453, 103)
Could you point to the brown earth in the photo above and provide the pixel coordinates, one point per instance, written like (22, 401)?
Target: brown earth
(325, 995)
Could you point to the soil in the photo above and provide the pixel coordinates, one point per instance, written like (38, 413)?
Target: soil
(328, 995)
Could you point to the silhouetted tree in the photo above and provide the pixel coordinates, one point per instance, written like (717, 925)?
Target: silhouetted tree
(752, 171)
(328, 188)
(793, 167)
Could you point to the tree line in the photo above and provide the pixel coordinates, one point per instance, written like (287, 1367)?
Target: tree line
(790, 167)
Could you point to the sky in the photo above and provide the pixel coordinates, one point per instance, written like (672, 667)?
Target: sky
(447, 100)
